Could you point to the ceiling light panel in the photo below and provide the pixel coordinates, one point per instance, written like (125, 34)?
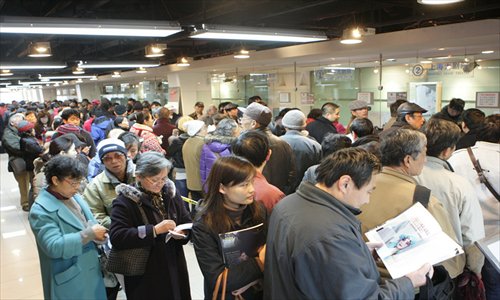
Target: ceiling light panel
(114, 65)
(65, 26)
(257, 34)
(26, 66)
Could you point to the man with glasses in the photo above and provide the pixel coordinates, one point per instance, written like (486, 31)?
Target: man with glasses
(410, 115)
(100, 192)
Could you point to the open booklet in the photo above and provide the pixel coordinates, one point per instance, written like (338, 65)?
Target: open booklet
(238, 246)
(412, 239)
(172, 233)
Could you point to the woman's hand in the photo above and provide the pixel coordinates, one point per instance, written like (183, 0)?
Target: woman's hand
(99, 231)
(262, 257)
(164, 226)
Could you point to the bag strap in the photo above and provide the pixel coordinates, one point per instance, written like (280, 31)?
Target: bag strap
(422, 195)
(480, 173)
(222, 278)
(141, 210)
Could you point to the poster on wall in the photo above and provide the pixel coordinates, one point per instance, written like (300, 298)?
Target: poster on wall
(306, 98)
(284, 97)
(173, 94)
(487, 99)
(393, 96)
(427, 95)
(366, 96)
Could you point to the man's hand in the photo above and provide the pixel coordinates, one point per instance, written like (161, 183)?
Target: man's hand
(418, 278)
(372, 246)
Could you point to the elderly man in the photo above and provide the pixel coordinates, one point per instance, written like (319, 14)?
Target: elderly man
(280, 169)
(163, 127)
(324, 124)
(100, 192)
(410, 115)
(307, 151)
(403, 156)
(12, 144)
(314, 247)
(359, 110)
(453, 191)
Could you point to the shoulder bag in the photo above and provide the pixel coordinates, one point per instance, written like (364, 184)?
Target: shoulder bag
(480, 173)
(130, 262)
(17, 164)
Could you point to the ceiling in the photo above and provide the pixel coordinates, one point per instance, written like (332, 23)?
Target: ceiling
(329, 16)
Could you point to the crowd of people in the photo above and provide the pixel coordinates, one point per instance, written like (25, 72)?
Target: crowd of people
(96, 173)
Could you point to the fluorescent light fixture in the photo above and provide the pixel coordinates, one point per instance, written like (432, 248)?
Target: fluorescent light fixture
(37, 82)
(487, 52)
(339, 68)
(183, 61)
(39, 49)
(141, 70)
(6, 72)
(76, 26)
(257, 34)
(31, 66)
(114, 65)
(155, 50)
(79, 80)
(65, 77)
(93, 78)
(116, 74)
(242, 54)
(426, 61)
(438, 2)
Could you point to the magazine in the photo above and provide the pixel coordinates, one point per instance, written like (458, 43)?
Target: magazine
(412, 239)
(241, 245)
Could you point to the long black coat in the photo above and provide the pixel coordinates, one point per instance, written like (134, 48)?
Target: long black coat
(166, 275)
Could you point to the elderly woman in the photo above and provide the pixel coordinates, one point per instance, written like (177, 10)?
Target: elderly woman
(166, 275)
(64, 230)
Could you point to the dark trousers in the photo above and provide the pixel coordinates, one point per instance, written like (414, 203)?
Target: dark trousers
(491, 280)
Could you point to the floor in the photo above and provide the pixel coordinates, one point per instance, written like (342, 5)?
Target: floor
(20, 271)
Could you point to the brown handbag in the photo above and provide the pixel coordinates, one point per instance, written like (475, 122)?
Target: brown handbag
(222, 278)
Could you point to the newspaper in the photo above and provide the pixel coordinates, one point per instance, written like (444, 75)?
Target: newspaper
(412, 239)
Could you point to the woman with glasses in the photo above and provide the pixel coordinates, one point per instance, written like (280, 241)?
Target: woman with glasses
(166, 275)
(65, 231)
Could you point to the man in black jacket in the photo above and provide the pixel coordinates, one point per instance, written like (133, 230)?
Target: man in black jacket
(324, 124)
(280, 169)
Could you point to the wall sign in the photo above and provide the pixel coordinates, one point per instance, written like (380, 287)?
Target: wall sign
(366, 96)
(487, 100)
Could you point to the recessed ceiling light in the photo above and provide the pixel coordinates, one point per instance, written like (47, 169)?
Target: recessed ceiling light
(426, 61)
(141, 70)
(441, 49)
(116, 74)
(487, 51)
(242, 54)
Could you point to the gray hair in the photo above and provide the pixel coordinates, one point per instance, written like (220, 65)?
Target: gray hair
(225, 127)
(402, 142)
(15, 119)
(151, 164)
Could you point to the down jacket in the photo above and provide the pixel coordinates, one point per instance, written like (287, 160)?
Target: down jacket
(215, 147)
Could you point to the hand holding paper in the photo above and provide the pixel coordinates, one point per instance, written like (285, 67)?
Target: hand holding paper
(178, 232)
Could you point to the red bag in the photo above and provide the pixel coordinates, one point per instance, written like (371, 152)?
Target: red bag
(470, 286)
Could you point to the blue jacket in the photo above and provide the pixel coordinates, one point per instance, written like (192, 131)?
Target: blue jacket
(69, 269)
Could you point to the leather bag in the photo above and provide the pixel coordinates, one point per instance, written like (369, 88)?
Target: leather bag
(129, 262)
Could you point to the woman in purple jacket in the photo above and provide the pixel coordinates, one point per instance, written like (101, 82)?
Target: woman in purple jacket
(217, 144)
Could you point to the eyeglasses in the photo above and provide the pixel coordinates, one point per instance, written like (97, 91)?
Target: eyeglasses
(112, 156)
(73, 183)
(157, 182)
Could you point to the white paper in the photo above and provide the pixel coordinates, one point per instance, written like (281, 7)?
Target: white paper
(495, 249)
(171, 233)
(412, 239)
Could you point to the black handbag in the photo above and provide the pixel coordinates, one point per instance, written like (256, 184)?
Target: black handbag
(129, 262)
(17, 164)
(440, 287)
